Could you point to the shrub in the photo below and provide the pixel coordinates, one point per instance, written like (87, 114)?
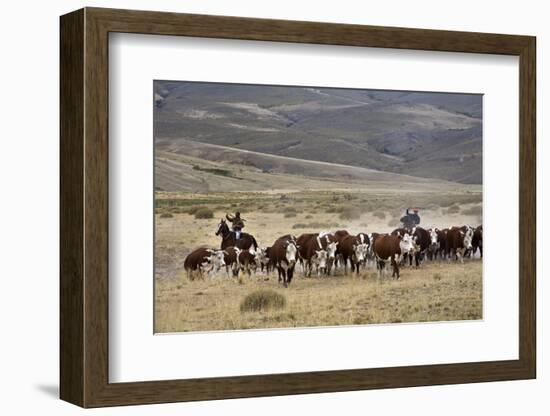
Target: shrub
(290, 214)
(308, 217)
(475, 210)
(379, 214)
(350, 213)
(453, 209)
(166, 215)
(262, 300)
(204, 213)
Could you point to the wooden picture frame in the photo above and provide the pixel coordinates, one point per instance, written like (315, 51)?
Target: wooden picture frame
(84, 207)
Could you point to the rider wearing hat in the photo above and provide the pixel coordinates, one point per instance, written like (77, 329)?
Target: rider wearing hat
(238, 223)
(411, 219)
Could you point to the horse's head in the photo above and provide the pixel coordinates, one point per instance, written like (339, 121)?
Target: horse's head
(223, 228)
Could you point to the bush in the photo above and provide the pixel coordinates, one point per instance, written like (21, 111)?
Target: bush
(308, 217)
(290, 214)
(166, 215)
(262, 300)
(453, 209)
(350, 213)
(204, 213)
(475, 210)
(379, 214)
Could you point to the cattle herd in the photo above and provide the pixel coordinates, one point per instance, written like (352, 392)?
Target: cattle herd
(326, 251)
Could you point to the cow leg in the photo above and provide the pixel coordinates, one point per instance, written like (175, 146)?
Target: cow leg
(395, 268)
(380, 265)
(289, 274)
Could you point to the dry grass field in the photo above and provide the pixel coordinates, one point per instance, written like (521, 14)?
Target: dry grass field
(435, 292)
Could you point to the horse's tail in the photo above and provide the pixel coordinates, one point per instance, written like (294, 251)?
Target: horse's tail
(254, 242)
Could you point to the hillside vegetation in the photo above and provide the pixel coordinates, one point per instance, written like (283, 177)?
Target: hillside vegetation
(432, 135)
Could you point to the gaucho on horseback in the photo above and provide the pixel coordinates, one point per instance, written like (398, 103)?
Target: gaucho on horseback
(235, 238)
(238, 223)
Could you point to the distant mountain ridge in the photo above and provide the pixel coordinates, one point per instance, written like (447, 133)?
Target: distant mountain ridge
(430, 135)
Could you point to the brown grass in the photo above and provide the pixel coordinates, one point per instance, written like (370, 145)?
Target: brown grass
(435, 292)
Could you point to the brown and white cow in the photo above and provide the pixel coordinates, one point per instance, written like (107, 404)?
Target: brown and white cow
(433, 248)
(354, 249)
(338, 236)
(421, 239)
(477, 240)
(443, 244)
(262, 259)
(246, 260)
(231, 261)
(330, 243)
(283, 255)
(391, 247)
(406, 256)
(366, 239)
(312, 253)
(459, 241)
(204, 260)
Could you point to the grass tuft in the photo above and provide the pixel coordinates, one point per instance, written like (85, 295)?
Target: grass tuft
(262, 300)
(204, 214)
(350, 213)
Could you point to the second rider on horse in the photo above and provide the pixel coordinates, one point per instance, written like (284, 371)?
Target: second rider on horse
(238, 223)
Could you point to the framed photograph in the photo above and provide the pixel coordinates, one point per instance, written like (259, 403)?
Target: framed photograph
(255, 207)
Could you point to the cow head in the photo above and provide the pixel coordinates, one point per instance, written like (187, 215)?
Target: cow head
(406, 244)
(260, 256)
(360, 251)
(331, 250)
(467, 238)
(434, 238)
(291, 251)
(216, 259)
(321, 257)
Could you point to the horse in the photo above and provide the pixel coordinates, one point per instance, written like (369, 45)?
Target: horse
(228, 238)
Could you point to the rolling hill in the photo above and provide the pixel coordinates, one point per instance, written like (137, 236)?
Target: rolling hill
(188, 166)
(429, 135)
